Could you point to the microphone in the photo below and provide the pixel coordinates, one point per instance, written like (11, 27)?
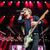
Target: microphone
(19, 10)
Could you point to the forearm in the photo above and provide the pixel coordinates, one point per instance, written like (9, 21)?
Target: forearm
(33, 23)
(20, 20)
(23, 30)
(20, 17)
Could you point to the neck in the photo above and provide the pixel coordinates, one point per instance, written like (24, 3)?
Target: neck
(28, 16)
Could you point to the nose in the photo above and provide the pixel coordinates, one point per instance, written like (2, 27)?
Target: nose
(24, 12)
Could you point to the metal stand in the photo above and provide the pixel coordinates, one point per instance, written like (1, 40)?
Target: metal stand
(44, 46)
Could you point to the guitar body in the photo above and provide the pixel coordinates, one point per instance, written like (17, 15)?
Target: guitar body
(27, 40)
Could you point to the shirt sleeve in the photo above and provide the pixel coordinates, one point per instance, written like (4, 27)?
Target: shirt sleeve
(36, 18)
(20, 20)
(20, 17)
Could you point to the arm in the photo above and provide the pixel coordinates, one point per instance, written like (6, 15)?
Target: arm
(23, 30)
(20, 20)
(35, 21)
(20, 17)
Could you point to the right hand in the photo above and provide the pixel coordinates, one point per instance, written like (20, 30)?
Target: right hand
(22, 12)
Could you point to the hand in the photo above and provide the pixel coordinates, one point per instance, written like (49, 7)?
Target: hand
(33, 23)
(39, 22)
(22, 12)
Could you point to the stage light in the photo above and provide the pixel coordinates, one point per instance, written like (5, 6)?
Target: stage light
(26, 4)
(2, 4)
(39, 4)
(30, 4)
(11, 21)
(2, 43)
(45, 2)
(10, 3)
(19, 47)
(1, 19)
(37, 1)
(4, 48)
(45, 21)
(48, 5)
(18, 4)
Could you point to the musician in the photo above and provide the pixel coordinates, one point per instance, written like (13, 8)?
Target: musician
(29, 22)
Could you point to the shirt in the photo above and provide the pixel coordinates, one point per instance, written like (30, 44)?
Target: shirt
(27, 24)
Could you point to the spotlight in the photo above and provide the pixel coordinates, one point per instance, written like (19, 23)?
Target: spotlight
(39, 4)
(13, 16)
(48, 5)
(10, 3)
(1, 19)
(2, 4)
(45, 2)
(30, 4)
(37, 1)
(11, 21)
(18, 4)
(4, 16)
(26, 4)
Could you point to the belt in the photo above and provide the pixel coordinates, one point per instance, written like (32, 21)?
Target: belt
(35, 33)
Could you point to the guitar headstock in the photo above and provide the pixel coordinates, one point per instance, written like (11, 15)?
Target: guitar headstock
(46, 11)
(43, 16)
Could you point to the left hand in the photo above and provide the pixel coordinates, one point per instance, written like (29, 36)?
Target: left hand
(33, 23)
(39, 22)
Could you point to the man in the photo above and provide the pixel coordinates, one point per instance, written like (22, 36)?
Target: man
(29, 22)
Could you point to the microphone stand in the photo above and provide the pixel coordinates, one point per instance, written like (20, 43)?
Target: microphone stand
(44, 46)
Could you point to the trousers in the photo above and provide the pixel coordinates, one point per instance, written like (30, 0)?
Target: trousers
(34, 44)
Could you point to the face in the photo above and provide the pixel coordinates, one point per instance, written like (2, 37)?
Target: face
(26, 13)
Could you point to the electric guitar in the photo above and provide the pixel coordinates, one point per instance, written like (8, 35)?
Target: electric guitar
(28, 38)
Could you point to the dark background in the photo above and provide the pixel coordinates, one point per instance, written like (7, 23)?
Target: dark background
(16, 27)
